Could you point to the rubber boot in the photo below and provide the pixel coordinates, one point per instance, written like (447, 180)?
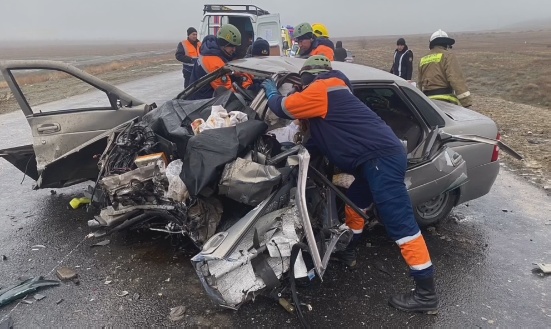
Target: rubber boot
(422, 299)
(348, 255)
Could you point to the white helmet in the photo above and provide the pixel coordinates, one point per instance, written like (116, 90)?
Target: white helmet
(443, 36)
(438, 34)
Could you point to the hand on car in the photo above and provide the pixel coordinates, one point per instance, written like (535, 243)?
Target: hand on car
(270, 87)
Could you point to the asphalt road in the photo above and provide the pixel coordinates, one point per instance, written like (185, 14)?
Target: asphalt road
(483, 255)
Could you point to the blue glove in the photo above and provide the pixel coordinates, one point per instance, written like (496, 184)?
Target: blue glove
(270, 88)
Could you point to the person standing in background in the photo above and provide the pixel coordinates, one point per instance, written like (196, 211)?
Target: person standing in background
(340, 52)
(403, 60)
(187, 52)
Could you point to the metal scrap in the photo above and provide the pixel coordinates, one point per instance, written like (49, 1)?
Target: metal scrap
(39, 296)
(544, 268)
(24, 288)
(101, 243)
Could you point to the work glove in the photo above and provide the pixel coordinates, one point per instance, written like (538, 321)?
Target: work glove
(270, 87)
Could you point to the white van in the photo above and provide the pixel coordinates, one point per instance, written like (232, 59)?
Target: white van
(250, 20)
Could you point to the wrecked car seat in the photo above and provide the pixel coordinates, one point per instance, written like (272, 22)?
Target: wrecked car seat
(207, 153)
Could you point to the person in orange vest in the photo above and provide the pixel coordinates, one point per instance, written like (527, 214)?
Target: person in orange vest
(187, 52)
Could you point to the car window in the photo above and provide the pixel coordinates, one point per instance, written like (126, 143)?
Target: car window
(389, 105)
(382, 100)
(67, 91)
(425, 109)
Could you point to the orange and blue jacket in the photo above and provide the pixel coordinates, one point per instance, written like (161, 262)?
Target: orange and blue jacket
(320, 46)
(212, 58)
(341, 127)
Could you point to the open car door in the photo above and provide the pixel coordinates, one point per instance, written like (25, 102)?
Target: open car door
(60, 128)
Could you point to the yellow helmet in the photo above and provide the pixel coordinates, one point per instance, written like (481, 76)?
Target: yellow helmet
(320, 30)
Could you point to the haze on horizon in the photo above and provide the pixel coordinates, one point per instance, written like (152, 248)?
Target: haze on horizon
(167, 20)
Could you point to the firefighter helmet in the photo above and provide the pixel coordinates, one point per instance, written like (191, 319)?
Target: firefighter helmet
(302, 30)
(441, 37)
(316, 64)
(320, 30)
(230, 34)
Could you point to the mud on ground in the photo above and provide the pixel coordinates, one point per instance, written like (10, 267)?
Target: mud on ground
(508, 74)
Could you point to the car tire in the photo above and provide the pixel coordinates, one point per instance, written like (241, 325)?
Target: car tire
(437, 209)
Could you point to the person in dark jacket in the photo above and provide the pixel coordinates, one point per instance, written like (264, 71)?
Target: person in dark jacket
(215, 52)
(340, 52)
(260, 47)
(403, 60)
(359, 142)
(187, 52)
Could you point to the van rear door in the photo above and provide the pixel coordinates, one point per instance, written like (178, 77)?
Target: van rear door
(268, 27)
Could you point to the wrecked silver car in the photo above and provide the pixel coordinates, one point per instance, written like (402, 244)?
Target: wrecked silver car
(234, 179)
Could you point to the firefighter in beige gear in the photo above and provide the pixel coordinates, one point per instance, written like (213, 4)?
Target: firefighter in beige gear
(440, 76)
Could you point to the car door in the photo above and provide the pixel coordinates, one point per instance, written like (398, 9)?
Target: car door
(268, 27)
(59, 128)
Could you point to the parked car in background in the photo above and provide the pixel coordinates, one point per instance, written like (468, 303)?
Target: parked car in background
(349, 57)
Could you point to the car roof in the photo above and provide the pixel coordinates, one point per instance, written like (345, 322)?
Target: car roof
(354, 72)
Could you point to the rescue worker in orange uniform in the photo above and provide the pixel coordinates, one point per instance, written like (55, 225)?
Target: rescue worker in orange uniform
(440, 76)
(215, 52)
(187, 52)
(359, 142)
(310, 45)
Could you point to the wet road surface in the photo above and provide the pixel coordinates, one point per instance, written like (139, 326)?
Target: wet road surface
(483, 254)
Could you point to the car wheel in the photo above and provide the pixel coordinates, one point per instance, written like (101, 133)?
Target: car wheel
(436, 209)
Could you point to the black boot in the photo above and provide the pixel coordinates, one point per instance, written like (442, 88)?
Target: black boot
(348, 255)
(421, 299)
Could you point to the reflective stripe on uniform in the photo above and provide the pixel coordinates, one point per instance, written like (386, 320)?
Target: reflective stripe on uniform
(194, 54)
(446, 98)
(200, 61)
(415, 252)
(432, 58)
(400, 62)
(330, 89)
(353, 220)
(284, 108)
(464, 95)
(408, 238)
(422, 266)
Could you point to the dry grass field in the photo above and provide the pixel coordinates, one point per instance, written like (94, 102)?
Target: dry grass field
(509, 75)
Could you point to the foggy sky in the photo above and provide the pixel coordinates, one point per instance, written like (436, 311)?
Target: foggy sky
(167, 20)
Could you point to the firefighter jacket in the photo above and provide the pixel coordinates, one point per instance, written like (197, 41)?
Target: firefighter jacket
(440, 77)
(187, 52)
(320, 46)
(341, 127)
(403, 63)
(211, 58)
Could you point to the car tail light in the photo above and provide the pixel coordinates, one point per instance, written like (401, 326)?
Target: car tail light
(495, 154)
